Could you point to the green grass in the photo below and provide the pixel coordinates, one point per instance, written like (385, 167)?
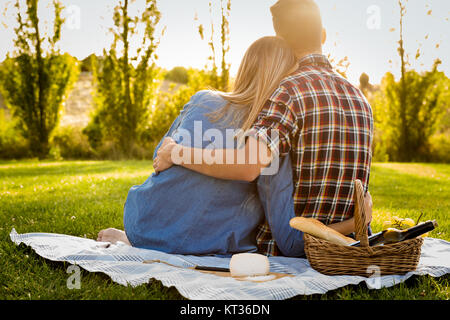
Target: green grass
(80, 198)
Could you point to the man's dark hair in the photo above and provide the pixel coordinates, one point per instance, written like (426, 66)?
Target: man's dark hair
(299, 23)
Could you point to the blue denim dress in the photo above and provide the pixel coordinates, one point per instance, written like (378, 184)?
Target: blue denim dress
(181, 211)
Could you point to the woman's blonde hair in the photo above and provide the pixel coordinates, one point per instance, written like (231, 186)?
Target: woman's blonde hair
(265, 64)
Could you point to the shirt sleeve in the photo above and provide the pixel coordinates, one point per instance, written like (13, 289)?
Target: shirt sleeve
(277, 123)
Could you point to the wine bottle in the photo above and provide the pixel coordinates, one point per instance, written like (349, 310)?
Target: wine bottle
(392, 235)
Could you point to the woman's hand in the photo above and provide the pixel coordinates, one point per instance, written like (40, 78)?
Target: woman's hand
(163, 160)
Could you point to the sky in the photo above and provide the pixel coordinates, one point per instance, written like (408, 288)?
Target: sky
(366, 31)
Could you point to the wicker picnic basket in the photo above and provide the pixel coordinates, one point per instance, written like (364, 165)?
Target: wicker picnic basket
(333, 259)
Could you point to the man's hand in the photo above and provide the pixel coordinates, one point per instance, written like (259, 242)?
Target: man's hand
(163, 160)
(348, 226)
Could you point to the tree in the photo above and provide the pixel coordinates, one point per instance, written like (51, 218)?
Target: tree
(407, 111)
(178, 75)
(88, 63)
(219, 81)
(403, 92)
(407, 121)
(36, 77)
(126, 84)
(364, 82)
(365, 86)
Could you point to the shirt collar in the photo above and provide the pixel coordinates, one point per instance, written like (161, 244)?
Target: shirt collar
(315, 59)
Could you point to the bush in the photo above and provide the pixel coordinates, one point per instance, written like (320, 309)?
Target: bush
(440, 148)
(88, 63)
(380, 153)
(168, 107)
(12, 143)
(93, 131)
(70, 143)
(178, 75)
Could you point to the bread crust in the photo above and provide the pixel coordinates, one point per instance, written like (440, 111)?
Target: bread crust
(318, 229)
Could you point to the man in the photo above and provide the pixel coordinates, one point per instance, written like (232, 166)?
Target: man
(320, 119)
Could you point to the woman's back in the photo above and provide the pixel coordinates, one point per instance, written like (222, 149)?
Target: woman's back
(180, 211)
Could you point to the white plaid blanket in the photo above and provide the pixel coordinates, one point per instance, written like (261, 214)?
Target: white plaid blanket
(124, 264)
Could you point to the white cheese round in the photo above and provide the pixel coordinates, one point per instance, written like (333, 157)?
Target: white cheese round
(249, 264)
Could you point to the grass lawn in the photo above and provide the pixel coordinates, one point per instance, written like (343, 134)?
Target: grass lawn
(81, 197)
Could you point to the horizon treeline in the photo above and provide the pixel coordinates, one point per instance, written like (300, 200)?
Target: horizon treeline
(131, 114)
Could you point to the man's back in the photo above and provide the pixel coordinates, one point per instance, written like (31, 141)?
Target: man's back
(326, 125)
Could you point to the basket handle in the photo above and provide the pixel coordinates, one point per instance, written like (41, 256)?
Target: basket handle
(361, 231)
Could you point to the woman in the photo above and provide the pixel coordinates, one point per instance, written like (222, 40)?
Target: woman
(180, 211)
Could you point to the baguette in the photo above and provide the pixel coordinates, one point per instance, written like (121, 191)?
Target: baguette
(318, 229)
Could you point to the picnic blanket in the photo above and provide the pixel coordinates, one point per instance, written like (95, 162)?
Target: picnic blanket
(125, 265)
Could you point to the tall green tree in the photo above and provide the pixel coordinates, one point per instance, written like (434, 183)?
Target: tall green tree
(125, 80)
(408, 121)
(403, 151)
(219, 75)
(408, 111)
(36, 77)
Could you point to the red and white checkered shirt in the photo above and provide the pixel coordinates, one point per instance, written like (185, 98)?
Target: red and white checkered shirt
(326, 124)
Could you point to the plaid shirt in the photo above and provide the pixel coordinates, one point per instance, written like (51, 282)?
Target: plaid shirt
(326, 125)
